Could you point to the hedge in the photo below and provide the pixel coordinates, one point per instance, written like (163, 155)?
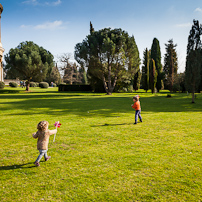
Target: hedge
(43, 85)
(2, 85)
(78, 87)
(13, 84)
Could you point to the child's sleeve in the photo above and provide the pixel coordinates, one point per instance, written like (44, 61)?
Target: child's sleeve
(35, 135)
(51, 132)
(133, 106)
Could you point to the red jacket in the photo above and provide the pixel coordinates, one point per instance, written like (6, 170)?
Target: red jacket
(136, 105)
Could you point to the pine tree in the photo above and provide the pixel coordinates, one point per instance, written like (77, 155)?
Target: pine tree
(156, 56)
(170, 64)
(145, 70)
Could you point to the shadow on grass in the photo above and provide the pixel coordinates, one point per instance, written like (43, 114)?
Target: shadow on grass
(118, 124)
(18, 166)
(89, 105)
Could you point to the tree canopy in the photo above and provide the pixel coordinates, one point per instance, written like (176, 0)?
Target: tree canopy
(29, 61)
(108, 55)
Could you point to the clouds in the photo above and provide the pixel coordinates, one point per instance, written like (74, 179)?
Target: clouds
(55, 25)
(40, 3)
(184, 25)
(198, 10)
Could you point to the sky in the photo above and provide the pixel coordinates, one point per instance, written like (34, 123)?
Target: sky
(58, 25)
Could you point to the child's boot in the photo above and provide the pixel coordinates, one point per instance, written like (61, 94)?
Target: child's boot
(47, 158)
(36, 163)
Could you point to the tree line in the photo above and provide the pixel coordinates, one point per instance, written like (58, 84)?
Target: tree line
(108, 60)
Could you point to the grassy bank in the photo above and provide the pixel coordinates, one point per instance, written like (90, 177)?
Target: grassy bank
(99, 154)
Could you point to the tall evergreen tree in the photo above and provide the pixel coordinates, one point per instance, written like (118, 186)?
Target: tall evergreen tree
(156, 56)
(145, 70)
(153, 75)
(193, 60)
(137, 79)
(91, 28)
(170, 64)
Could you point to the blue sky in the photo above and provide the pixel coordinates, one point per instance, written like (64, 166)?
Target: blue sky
(58, 25)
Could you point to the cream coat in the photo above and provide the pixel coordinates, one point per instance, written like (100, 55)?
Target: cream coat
(43, 138)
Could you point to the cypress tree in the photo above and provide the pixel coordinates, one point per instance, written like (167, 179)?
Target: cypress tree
(153, 75)
(145, 70)
(193, 60)
(91, 28)
(156, 56)
(137, 79)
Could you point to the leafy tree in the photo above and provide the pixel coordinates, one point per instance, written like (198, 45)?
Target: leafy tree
(108, 55)
(28, 61)
(72, 72)
(156, 56)
(55, 75)
(170, 64)
(153, 75)
(193, 60)
(145, 70)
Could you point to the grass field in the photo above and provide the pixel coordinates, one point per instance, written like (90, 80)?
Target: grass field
(99, 154)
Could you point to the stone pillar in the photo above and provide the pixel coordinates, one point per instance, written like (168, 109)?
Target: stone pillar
(1, 49)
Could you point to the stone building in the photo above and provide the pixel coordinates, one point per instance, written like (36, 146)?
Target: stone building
(1, 49)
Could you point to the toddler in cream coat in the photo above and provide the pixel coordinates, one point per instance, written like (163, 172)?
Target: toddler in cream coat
(43, 135)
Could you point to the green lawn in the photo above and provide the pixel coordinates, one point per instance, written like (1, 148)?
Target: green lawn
(99, 154)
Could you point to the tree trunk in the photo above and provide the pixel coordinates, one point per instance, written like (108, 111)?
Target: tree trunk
(27, 85)
(193, 98)
(105, 84)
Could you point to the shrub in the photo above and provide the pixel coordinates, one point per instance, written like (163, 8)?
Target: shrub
(2, 85)
(169, 95)
(33, 84)
(43, 85)
(13, 84)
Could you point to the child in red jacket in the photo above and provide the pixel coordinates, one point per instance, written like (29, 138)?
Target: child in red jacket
(137, 108)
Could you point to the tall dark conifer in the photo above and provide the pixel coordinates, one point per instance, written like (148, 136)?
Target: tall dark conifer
(170, 64)
(156, 56)
(153, 75)
(193, 60)
(91, 28)
(145, 70)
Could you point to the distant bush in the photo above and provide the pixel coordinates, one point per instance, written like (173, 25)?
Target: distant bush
(169, 95)
(33, 84)
(2, 85)
(43, 85)
(13, 84)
